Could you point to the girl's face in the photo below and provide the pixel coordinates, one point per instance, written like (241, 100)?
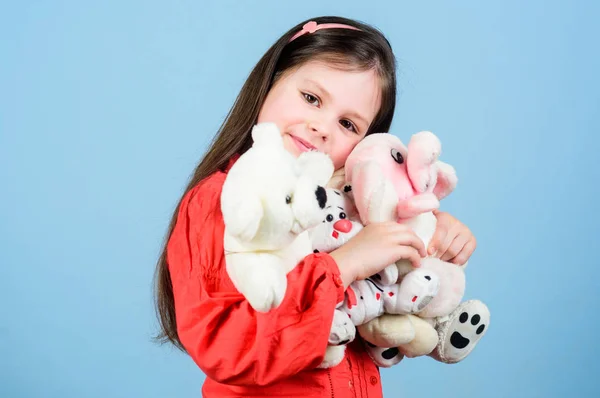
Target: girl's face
(323, 108)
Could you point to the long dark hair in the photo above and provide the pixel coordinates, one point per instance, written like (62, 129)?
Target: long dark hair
(362, 49)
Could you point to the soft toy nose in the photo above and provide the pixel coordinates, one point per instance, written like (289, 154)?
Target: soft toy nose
(343, 225)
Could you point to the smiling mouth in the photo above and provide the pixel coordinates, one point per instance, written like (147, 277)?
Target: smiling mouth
(302, 145)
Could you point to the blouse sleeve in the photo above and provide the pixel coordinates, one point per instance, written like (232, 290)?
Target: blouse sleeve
(228, 340)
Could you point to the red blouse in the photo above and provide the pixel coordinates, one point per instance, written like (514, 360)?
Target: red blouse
(249, 354)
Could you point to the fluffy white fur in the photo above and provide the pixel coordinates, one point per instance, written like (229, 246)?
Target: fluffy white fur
(269, 199)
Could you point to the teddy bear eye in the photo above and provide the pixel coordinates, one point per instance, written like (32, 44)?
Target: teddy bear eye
(288, 199)
(397, 156)
(329, 218)
(342, 215)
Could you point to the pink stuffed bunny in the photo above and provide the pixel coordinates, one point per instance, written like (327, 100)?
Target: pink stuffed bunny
(392, 182)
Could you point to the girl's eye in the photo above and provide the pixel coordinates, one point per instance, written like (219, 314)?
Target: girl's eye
(348, 125)
(311, 99)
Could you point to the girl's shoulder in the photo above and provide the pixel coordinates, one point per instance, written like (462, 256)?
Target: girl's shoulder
(206, 194)
(199, 220)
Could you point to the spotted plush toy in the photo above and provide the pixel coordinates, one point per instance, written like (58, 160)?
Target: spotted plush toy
(335, 230)
(367, 299)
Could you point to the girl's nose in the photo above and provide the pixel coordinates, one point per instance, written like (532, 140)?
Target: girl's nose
(319, 129)
(344, 225)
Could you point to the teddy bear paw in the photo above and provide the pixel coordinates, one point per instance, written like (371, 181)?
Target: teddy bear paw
(384, 357)
(343, 330)
(265, 291)
(461, 331)
(333, 356)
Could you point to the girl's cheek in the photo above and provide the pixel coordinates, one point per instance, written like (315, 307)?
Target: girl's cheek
(339, 159)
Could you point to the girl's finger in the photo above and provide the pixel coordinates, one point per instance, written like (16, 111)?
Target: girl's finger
(455, 247)
(411, 254)
(438, 236)
(445, 244)
(409, 238)
(465, 253)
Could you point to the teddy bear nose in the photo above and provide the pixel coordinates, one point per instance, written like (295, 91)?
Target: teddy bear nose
(343, 225)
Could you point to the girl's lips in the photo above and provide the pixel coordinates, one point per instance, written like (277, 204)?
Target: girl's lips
(302, 145)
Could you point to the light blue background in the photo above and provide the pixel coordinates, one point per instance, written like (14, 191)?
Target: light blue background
(106, 108)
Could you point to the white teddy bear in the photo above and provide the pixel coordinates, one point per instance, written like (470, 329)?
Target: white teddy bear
(269, 199)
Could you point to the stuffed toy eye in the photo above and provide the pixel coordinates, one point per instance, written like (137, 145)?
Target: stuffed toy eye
(329, 218)
(288, 199)
(397, 156)
(342, 215)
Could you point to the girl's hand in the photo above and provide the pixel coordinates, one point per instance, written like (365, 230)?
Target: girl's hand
(452, 240)
(375, 247)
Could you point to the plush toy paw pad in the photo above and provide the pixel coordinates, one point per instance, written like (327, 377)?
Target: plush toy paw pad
(384, 357)
(457, 339)
(462, 331)
(266, 292)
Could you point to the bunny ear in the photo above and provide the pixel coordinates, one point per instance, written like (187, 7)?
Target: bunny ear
(446, 180)
(424, 148)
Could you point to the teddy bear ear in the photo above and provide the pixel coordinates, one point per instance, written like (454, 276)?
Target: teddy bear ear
(267, 134)
(242, 217)
(316, 165)
(446, 180)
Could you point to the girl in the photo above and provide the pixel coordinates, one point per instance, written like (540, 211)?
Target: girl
(326, 84)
